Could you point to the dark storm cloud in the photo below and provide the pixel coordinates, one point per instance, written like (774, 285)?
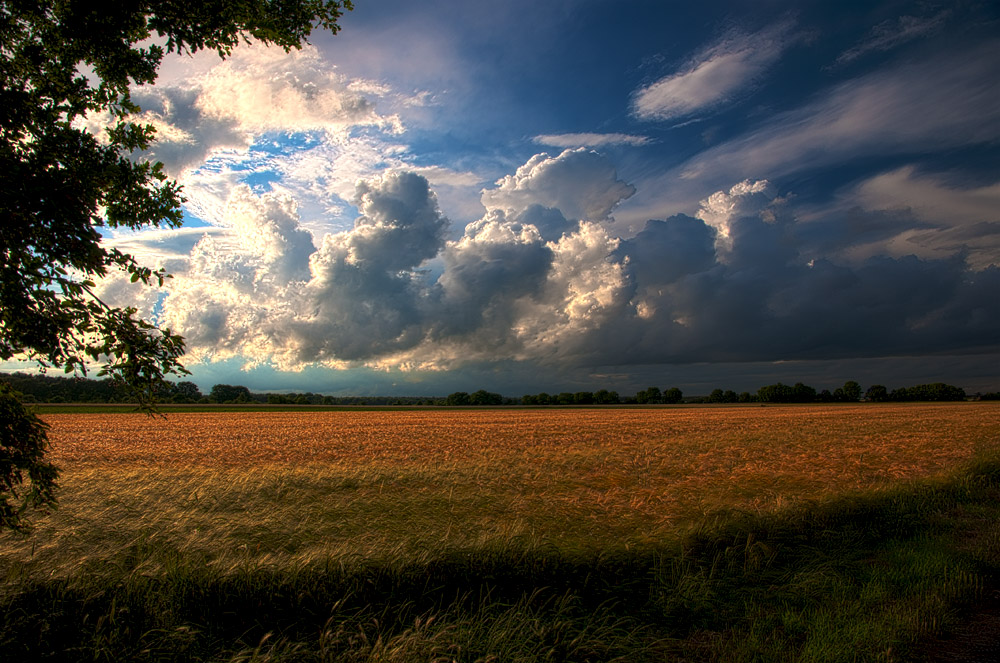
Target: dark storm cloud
(766, 301)
(366, 295)
(494, 265)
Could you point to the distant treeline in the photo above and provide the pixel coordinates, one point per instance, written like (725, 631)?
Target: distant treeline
(51, 389)
(48, 389)
(851, 392)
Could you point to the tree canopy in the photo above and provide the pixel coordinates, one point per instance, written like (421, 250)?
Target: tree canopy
(62, 62)
(63, 65)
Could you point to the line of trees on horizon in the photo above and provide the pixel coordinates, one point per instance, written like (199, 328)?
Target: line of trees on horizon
(48, 389)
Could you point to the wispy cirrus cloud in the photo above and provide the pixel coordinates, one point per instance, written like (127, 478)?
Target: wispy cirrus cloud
(934, 103)
(930, 196)
(892, 33)
(590, 139)
(715, 75)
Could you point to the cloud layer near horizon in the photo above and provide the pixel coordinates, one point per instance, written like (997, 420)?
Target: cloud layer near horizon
(541, 277)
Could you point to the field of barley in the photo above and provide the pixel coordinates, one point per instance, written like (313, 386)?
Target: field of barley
(506, 492)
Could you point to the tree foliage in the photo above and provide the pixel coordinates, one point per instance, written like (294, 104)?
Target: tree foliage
(782, 393)
(26, 480)
(64, 65)
(228, 393)
(650, 395)
(877, 393)
(936, 391)
(483, 397)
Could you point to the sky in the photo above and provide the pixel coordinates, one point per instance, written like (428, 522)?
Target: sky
(574, 195)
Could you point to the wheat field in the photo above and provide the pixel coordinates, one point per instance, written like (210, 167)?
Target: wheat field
(822, 533)
(300, 488)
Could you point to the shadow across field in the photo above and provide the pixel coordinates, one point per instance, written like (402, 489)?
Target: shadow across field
(868, 576)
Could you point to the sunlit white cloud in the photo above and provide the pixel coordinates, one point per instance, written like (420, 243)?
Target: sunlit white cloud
(715, 75)
(263, 115)
(257, 90)
(721, 208)
(580, 183)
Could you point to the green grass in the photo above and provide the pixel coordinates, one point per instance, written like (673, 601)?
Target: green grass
(148, 574)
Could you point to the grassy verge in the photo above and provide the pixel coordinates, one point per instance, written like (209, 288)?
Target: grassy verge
(861, 577)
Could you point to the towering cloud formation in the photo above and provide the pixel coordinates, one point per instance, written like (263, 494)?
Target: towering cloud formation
(541, 278)
(367, 296)
(722, 210)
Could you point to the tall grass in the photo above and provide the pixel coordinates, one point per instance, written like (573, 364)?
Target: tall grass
(860, 577)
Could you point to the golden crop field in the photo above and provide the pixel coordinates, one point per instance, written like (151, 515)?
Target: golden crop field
(634, 458)
(295, 487)
(825, 446)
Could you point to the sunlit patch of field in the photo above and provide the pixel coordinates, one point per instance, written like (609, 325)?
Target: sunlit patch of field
(302, 488)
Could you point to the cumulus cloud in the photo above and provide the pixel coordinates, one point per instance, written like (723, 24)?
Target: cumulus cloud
(487, 273)
(715, 75)
(268, 227)
(366, 295)
(766, 297)
(584, 289)
(663, 253)
(580, 183)
(265, 292)
(238, 281)
(742, 280)
(723, 209)
(516, 298)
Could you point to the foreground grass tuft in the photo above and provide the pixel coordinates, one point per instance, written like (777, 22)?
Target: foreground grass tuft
(861, 577)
